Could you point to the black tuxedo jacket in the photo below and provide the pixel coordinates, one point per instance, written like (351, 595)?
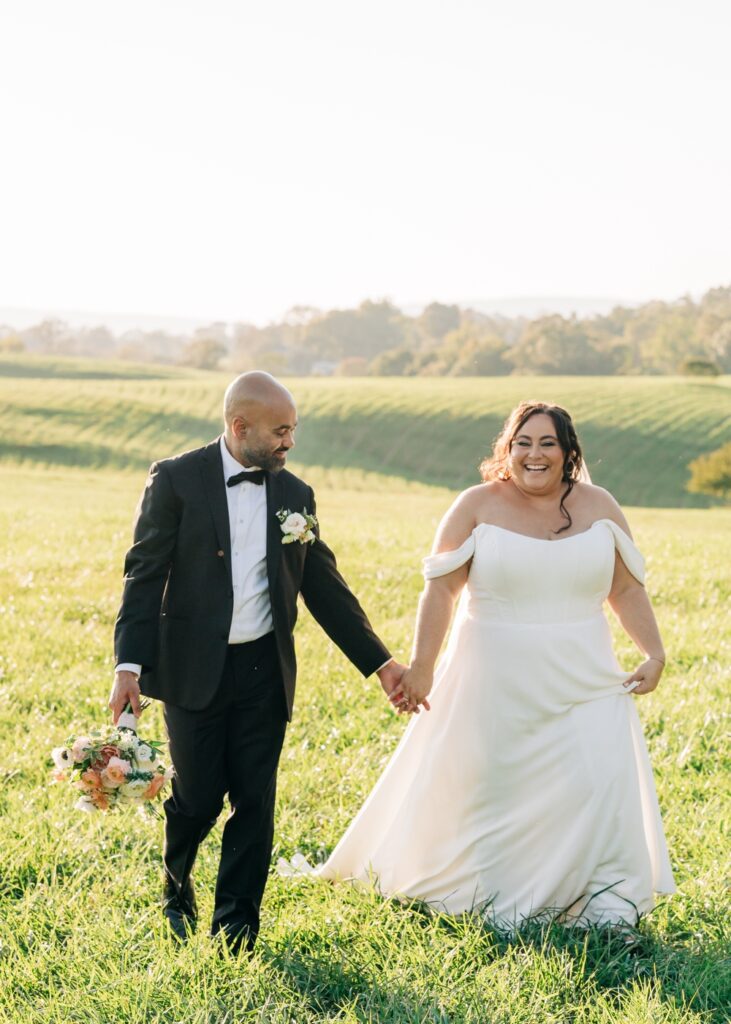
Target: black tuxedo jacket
(178, 593)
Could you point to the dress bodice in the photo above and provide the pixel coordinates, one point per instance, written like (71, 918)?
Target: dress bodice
(522, 579)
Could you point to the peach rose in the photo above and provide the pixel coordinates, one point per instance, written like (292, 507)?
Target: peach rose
(154, 788)
(107, 752)
(92, 779)
(112, 777)
(99, 799)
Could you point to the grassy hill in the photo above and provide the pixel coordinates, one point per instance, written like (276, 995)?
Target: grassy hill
(639, 434)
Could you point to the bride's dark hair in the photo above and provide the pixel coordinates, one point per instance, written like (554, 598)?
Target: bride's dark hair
(496, 467)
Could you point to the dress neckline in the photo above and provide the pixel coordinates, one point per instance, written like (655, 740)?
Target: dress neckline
(547, 540)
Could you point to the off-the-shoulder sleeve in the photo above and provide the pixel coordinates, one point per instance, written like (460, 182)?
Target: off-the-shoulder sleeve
(448, 561)
(631, 555)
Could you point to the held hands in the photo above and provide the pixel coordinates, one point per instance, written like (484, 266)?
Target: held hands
(413, 690)
(391, 676)
(126, 690)
(645, 678)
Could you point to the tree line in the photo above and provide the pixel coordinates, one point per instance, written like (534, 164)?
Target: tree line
(378, 339)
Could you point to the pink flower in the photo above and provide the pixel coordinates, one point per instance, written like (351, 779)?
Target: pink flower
(80, 748)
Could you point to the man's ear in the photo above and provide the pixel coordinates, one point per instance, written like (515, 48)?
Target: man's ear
(239, 427)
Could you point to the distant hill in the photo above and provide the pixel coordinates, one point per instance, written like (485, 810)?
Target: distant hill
(639, 434)
(531, 307)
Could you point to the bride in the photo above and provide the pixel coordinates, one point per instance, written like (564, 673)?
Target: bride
(527, 789)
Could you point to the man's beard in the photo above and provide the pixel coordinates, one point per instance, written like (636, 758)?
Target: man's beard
(264, 459)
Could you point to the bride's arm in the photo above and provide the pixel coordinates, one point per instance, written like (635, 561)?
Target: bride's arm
(629, 601)
(437, 600)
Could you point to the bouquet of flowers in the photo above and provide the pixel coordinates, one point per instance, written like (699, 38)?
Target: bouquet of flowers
(112, 766)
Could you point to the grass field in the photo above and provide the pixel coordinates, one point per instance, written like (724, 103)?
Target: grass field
(80, 931)
(639, 434)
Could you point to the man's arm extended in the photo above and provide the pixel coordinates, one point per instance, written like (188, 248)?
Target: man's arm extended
(145, 573)
(338, 611)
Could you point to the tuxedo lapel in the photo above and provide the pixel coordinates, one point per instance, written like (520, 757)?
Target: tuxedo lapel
(215, 488)
(275, 493)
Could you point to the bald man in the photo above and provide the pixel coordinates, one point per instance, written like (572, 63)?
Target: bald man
(206, 625)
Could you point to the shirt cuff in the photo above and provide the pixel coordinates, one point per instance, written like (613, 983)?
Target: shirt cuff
(384, 665)
(128, 666)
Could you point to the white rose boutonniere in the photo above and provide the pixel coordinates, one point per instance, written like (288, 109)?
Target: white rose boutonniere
(297, 526)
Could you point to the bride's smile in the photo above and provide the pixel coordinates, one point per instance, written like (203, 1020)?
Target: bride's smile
(536, 459)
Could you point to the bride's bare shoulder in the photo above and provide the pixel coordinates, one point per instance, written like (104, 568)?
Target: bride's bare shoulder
(480, 492)
(475, 499)
(461, 518)
(601, 504)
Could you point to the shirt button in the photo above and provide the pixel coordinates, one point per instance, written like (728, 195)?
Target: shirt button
(220, 554)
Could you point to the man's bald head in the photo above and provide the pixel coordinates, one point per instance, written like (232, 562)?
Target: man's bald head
(251, 389)
(260, 418)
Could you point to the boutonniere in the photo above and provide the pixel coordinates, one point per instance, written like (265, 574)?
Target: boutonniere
(297, 526)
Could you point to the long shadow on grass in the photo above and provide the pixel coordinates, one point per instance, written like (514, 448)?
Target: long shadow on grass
(614, 962)
(330, 973)
(328, 982)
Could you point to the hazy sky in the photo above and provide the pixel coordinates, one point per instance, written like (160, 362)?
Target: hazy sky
(228, 159)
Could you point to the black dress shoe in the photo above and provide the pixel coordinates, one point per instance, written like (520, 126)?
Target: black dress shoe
(179, 909)
(180, 926)
(235, 943)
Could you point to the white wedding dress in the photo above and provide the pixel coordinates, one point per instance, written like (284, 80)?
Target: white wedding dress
(527, 788)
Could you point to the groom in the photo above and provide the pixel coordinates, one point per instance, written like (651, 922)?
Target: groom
(206, 625)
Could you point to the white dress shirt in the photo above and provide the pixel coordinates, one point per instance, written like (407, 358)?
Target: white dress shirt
(247, 516)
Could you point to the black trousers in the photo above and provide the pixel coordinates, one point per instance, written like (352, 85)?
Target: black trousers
(232, 746)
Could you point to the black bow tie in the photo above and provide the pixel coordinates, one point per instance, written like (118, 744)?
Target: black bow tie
(254, 476)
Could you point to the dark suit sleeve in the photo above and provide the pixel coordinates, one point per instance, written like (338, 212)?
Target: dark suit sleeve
(336, 608)
(146, 570)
